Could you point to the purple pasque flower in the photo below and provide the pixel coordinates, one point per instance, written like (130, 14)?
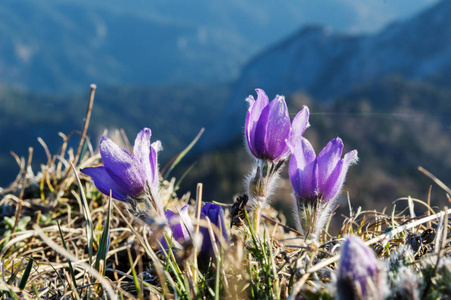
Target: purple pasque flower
(359, 276)
(268, 126)
(215, 214)
(128, 176)
(180, 225)
(318, 177)
(316, 181)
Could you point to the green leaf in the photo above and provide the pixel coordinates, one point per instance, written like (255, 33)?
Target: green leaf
(104, 243)
(26, 274)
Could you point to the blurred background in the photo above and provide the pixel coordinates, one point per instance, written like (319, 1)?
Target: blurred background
(377, 73)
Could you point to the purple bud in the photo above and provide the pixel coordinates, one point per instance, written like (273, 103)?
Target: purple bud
(319, 177)
(216, 215)
(268, 127)
(126, 175)
(358, 273)
(180, 225)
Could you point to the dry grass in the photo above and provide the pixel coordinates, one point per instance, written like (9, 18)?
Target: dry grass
(62, 239)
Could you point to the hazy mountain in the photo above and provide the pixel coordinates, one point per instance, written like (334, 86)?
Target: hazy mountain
(326, 65)
(64, 45)
(175, 113)
(395, 124)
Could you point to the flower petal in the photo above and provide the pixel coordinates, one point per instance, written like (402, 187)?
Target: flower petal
(272, 129)
(121, 167)
(216, 215)
(105, 183)
(153, 158)
(299, 124)
(141, 153)
(358, 265)
(180, 224)
(327, 161)
(337, 178)
(255, 109)
(302, 169)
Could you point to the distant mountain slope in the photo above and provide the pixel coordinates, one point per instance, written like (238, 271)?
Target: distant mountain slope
(327, 65)
(64, 45)
(26, 116)
(395, 124)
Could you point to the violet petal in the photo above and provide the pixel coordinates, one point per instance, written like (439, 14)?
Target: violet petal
(302, 169)
(215, 213)
(141, 153)
(327, 162)
(337, 178)
(299, 124)
(180, 224)
(272, 130)
(358, 264)
(253, 115)
(105, 183)
(121, 166)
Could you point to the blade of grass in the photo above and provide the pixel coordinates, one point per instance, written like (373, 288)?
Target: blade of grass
(35, 289)
(135, 277)
(26, 274)
(177, 184)
(14, 274)
(86, 125)
(71, 269)
(105, 283)
(150, 252)
(87, 214)
(183, 153)
(84, 149)
(104, 242)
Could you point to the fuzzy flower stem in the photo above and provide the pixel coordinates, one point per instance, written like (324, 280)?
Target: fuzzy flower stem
(256, 212)
(261, 185)
(310, 218)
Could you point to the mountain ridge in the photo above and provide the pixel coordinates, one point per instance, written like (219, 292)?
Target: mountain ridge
(327, 65)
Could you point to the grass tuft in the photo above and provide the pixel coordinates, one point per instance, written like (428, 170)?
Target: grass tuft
(61, 239)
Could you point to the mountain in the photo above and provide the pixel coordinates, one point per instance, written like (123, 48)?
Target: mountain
(395, 124)
(175, 113)
(75, 45)
(327, 65)
(62, 46)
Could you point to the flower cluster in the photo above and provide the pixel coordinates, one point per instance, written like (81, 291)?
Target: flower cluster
(316, 180)
(182, 227)
(267, 130)
(271, 138)
(135, 178)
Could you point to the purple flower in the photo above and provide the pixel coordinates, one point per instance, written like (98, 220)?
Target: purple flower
(318, 178)
(358, 273)
(268, 126)
(216, 215)
(180, 225)
(128, 176)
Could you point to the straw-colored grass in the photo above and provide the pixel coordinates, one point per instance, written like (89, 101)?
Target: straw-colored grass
(60, 238)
